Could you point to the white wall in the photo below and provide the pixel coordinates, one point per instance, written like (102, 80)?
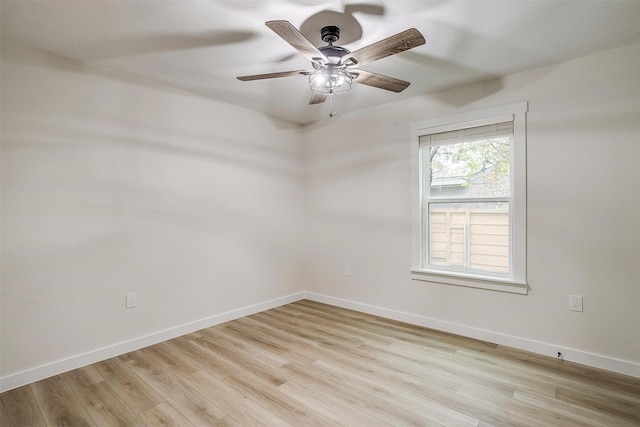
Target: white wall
(583, 212)
(112, 184)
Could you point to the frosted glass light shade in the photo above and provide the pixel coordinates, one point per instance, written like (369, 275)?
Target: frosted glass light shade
(330, 81)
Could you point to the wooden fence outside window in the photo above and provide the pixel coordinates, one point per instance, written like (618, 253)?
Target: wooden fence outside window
(471, 238)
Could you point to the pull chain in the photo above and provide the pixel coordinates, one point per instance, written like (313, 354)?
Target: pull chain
(332, 112)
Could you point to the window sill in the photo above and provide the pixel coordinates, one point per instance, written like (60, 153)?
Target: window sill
(471, 281)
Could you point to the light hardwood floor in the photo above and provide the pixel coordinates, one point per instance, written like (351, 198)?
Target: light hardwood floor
(308, 363)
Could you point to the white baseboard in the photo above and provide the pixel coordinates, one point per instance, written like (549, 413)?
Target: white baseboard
(38, 373)
(569, 354)
(54, 368)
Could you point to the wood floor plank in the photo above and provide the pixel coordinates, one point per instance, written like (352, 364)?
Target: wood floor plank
(233, 402)
(199, 410)
(229, 421)
(279, 343)
(286, 330)
(573, 375)
(324, 331)
(20, 408)
(355, 395)
(242, 361)
(625, 408)
(164, 415)
(308, 363)
(276, 402)
(345, 324)
(186, 349)
(408, 396)
(515, 407)
(162, 355)
(137, 394)
(581, 414)
(82, 377)
(239, 345)
(327, 405)
(4, 418)
(105, 406)
(58, 403)
(505, 372)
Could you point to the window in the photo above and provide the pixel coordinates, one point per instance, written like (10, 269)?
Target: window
(470, 199)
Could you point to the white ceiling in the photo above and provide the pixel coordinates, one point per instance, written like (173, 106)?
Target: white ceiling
(201, 46)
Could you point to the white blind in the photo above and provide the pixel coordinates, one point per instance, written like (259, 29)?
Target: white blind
(468, 135)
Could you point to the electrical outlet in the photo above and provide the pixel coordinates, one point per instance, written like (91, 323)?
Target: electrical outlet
(132, 300)
(347, 270)
(575, 302)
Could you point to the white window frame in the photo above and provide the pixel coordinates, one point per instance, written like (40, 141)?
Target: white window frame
(515, 281)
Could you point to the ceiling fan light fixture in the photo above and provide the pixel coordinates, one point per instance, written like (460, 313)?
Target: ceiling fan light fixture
(330, 81)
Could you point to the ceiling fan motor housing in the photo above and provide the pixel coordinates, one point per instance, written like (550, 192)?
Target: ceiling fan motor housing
(333, 53)
(330, 34)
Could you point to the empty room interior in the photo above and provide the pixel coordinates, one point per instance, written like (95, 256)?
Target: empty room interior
(302, 212)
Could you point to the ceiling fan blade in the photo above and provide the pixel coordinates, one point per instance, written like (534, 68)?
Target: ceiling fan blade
(380, 81)
(405, 40)
(275, 75)
(317, 99)
(296, 39)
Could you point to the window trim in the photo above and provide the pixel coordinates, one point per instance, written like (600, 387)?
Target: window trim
(515, 282)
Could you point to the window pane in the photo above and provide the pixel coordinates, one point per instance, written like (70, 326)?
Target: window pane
(469, 236)
(471, 168)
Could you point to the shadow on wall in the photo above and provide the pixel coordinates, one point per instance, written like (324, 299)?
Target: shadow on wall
(84, 121)
(30, 57)
(201, 147)
(469, 94)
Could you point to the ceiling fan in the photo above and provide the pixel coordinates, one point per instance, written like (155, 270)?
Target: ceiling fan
(335, 67)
